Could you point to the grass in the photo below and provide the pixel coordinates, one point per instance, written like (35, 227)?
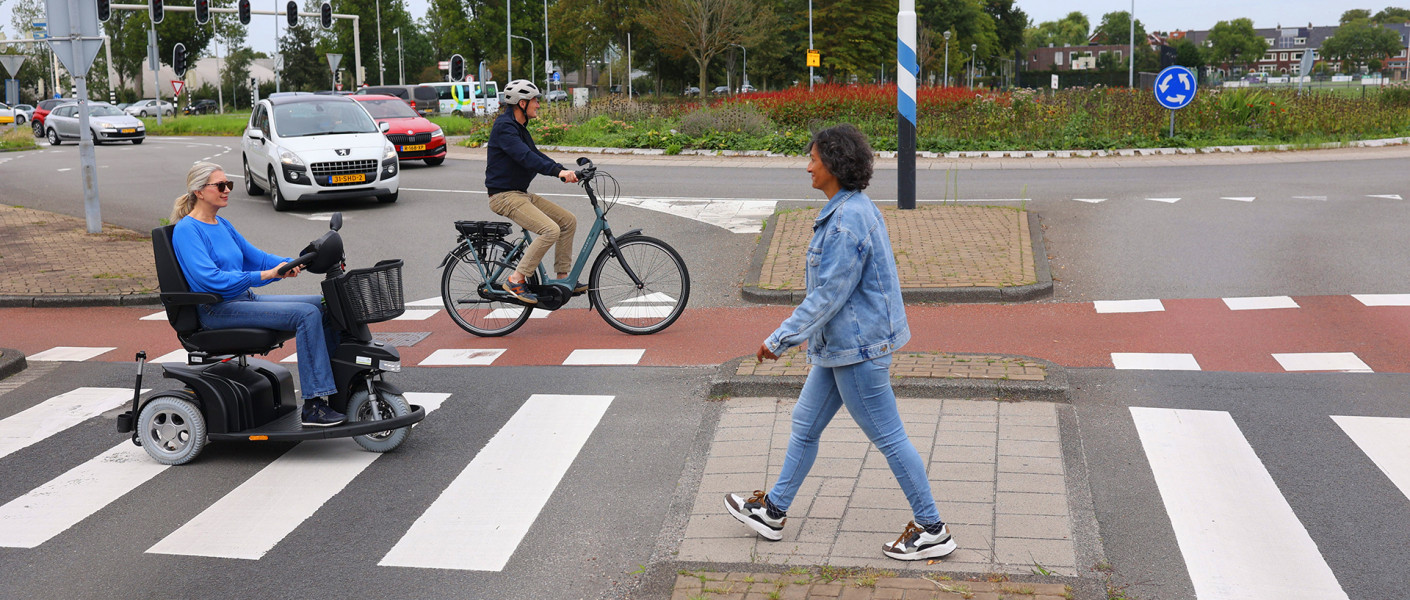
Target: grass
(16, 138)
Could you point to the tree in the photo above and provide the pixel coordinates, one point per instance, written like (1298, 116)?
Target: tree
(1361, 43)
(304, 69)
(1071, 30)
(1392, 16)
(968, 24)
(854, 37)
(702, 29)
(1188, 54)
(1354, 14)
(1115, 29)
(1235, 42)
(1010, 22)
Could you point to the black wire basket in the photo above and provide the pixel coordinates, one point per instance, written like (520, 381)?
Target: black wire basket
(374, 294)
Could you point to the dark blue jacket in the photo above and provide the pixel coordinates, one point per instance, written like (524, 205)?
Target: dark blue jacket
(513, 158)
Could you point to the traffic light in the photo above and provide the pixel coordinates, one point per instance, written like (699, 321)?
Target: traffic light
(154, 8)
(178, 60)
(244, 12)
(104, 11)
(292, 13)
(203, 11)
(457, 68)
(325, 15)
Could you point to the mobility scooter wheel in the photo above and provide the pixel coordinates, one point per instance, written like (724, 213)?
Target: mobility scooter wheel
(172, 430)
(388, 405)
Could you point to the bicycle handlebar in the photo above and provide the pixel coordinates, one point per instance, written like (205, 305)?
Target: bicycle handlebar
(586, 172)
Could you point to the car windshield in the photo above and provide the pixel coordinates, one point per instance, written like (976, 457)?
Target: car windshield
(321, 117)
(104, 110)
(388, 109)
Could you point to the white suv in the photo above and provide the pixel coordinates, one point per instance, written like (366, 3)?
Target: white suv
(314, 147)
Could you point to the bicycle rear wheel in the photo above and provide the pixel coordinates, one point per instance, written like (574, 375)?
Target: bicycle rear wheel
(662, 296)
(462, 280)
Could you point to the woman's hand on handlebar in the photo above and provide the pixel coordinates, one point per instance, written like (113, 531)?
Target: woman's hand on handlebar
(568, 176)
(274, 273)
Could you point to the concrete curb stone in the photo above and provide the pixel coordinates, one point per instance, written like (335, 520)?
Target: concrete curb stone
(11, 362)
(1054, 388)
(72, 301)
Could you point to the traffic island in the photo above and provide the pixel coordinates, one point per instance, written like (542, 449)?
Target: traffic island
(943, 254)
(50, 260)
(11, 362)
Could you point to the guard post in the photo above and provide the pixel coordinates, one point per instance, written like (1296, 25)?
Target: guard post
(906, 71)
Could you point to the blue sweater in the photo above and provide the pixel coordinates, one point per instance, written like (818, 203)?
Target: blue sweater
(513, 159)
(217, 259)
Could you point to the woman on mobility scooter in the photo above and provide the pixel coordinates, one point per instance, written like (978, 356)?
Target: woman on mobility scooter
(215, 258)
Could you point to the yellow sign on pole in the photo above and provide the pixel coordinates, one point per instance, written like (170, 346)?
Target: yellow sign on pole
(814, 58)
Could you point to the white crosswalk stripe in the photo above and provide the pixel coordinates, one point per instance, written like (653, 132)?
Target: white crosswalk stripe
(71, 353)
(57, 414)
(63, 502)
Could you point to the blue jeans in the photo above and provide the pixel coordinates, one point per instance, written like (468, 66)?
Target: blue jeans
(315, 334)
(865, 388)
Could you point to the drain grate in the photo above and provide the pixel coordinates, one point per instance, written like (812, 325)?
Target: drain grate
(403, 339)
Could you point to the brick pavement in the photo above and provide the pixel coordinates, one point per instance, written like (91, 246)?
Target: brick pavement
(936, 365)
(936, 247)
(854, 584)
(49, 254)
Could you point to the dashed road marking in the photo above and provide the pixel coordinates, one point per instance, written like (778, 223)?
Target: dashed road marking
(1239, 198)
(1154, 361)
(1346, 362)
(1385, 196)
(1383, 299)
(604, 357)
(1128, 306)
(1090, 200)
(1260, 303)
(417, 315)
(448, 357)
(71, 353)
(1165, 200)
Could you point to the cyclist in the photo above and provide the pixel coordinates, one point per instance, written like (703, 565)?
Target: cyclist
(513, 160)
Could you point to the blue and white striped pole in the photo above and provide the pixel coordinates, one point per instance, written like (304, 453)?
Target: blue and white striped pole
(906, 72)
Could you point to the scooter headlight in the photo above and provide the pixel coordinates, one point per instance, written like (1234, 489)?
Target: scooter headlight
(390, 366)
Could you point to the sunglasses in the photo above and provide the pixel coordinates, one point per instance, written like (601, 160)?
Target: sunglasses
(222, 186)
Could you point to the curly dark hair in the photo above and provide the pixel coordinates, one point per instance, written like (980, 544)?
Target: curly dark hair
(846, 154)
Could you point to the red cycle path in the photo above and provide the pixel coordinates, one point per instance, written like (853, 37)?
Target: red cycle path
(1073, 334)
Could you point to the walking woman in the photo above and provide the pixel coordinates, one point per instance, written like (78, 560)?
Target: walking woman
(216, 259)
(852, 319)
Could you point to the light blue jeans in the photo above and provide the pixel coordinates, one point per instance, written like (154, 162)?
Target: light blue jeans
(314, 332)
(865, 388)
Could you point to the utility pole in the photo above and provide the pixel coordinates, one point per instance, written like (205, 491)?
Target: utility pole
(547, 61)
(810, 45)
(401, 67)
(381, 67)
(1131, 60)
(947, 58)
(508, 45)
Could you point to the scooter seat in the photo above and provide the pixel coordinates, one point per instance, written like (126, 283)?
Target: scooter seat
(240, 340)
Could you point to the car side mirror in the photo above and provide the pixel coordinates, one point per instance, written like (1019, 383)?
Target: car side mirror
(256, 134)
(336, 222)
(384, 126)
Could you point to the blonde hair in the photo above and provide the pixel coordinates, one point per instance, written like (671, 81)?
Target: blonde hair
(196, 178)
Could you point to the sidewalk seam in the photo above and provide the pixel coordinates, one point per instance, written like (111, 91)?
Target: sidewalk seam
(1054, 388)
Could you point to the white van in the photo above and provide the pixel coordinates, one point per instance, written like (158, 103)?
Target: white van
(466, 97)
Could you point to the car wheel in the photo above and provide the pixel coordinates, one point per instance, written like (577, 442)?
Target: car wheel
(170, 113)
(251, 187)
(38, 129)
(276, 196)
(142, 113)
(435, 162)
(389, 198)
(19, 119)
(54, 138)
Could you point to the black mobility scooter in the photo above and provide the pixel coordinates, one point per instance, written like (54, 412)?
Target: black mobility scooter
(229, 396)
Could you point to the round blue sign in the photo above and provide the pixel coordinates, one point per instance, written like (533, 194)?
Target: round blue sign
(1175, 87)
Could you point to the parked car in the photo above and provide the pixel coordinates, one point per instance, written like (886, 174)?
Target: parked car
(7, 114)
(691, 91)
(149, 108)
(414, 136)
(423, 99)
(555, 96)
(311, 147)
(202, 107)
(36, 118)
(746, 89)
(617, 89)
(107, 123)
(19, 113)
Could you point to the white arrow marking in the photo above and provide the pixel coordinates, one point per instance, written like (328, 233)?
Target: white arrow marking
(1165, 84)
(1385, 196)
(1165, 200)
(1087, 200)
(1176, 99)
(1185, 80)
(1239, 198)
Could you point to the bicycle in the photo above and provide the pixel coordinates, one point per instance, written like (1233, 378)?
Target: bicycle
(638, 284)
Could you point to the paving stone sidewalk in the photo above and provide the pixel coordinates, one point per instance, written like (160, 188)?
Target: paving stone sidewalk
(49, 255)
(853, 584)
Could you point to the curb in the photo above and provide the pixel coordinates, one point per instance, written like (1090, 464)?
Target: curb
(11, 362)
(74, 301)
(1021, 293)
(1052, 389)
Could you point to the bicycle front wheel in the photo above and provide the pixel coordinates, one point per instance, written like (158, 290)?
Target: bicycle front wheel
(651, 307)
(466, 274)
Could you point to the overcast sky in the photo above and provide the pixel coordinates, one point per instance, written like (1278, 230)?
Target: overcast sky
(1166, 15)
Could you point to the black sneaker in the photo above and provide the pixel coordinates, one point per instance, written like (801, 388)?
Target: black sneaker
(916, 543)
(753, 513)
(317, 413)
(520, 291)
(579, 288)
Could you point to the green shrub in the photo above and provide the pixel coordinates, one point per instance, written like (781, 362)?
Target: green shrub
(729, 118)
(1395, 96)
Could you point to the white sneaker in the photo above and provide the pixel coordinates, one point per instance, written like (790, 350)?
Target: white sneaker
(916, 544)
(752, 512)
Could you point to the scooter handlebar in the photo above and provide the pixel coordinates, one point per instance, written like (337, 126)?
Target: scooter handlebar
(301, 261)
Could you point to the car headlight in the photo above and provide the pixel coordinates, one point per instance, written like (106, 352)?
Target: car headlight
(109, 129)
(438, 133)
(291, 159)
(389, 152)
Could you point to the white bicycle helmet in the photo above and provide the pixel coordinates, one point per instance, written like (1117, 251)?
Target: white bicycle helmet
(519, 89)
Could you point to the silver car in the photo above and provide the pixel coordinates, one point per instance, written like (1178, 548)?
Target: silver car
(107, 123)
(148, 108)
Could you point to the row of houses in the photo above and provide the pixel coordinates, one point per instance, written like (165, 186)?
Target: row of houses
(1286, 46)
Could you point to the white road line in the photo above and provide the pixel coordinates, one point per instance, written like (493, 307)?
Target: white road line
(1239, 198)
(1154, 361)
(156, 316)
(1238, 535)
(1386, 441)
(56, 506)
(1260, 303)
(292, 358)
(70, 353)
(479, 520)
(436, 301)
(417, 315)
(175, 356)
(1346, 362)
(447, 357)
(1385, 196)
(38, 422)
(604, 357)
(254, 517)
(1128, 306)
(656, 311)
(658, 297)
(65, 170)
(1321, 198)
(1165, 200)
(1090, 200)
(1383, 299)
(512, 312)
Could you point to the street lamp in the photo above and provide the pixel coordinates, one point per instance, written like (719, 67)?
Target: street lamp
(535, 72)
(746, 63)
(973, 49)
(401, 66)
(947, 58)
(547, 62)
(381, 67)
(810, 43)
(1131, 70)
(508, 44)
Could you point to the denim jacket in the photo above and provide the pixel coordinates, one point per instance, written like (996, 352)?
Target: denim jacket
(853, 310)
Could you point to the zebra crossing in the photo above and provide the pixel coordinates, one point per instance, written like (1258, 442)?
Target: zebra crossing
(1235, 528)
(525, 460)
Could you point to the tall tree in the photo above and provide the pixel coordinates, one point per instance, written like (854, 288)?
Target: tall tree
(1235, 42)
(1354, 14)
(304, 69)
(1392, 15)
(1362, 43)
(1010, 22)
(702, 29)
(855, 38)
(1189, 54)
(968, 24)
(1115, 29)
(1071, 30)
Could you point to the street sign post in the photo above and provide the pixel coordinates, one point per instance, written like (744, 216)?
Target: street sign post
(814, 58)
(333, 60)
(1305, 67)
(76, 41)
(1175, 89)
(177, 86)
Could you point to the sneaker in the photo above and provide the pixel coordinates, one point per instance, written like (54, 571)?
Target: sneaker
(317, 413)
(579, 288)
(916, 544)
(752, 512)
(520, 291)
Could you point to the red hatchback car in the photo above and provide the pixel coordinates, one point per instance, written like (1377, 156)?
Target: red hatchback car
(415, 137)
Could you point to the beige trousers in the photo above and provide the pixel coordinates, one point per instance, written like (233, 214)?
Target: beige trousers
(551, 225)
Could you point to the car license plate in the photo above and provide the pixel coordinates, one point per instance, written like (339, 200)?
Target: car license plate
(129, 130)
(358, 178)
(415, 148)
